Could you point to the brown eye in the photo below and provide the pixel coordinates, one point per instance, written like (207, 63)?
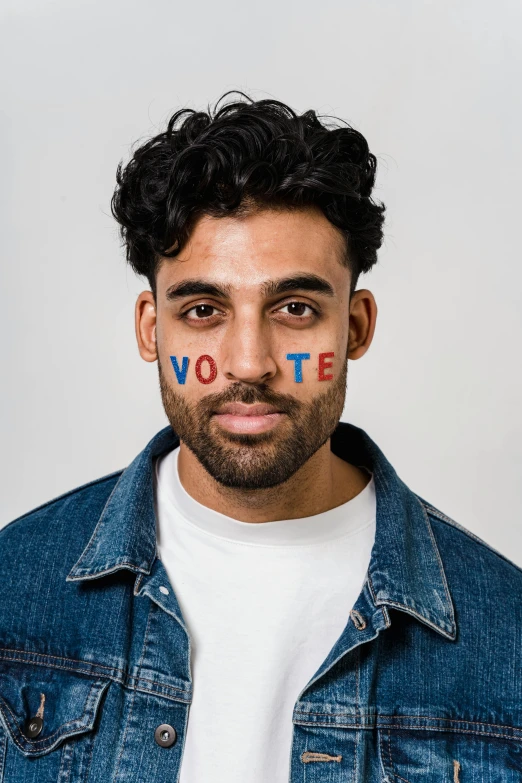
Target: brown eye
(200, 311)
(298, 309)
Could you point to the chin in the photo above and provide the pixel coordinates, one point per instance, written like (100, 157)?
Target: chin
(244, 439)
(250, 474)
(248, 482)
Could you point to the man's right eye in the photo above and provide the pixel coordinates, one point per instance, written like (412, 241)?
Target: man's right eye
(199, 312)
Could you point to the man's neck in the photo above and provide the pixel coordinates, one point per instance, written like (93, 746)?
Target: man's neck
(322, 483)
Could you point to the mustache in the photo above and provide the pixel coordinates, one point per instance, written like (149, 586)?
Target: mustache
(248, 394)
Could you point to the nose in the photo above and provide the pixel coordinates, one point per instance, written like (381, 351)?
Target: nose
(247, 352)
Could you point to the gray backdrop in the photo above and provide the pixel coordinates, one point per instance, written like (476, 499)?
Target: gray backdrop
(434, 86)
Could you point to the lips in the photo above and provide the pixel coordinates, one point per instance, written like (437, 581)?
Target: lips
(248, 419)
(242, 409)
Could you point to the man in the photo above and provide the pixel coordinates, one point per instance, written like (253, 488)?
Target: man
(258, 597)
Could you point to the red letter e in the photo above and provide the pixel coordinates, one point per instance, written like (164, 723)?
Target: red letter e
(324, 365)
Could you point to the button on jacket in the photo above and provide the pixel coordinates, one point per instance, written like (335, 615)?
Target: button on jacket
(423, 684)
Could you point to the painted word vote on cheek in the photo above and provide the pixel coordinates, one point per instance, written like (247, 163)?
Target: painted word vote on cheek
(206, 368)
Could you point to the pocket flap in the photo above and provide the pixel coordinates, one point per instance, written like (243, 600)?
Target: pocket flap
(64, 701)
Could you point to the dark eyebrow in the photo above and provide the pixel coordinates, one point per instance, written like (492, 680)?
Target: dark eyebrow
(270, 288)
(306, 282)
(197, 288)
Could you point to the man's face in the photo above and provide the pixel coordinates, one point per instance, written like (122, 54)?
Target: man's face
(248, 292)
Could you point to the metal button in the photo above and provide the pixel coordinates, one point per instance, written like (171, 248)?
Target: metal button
(33, 727)
(165, 735)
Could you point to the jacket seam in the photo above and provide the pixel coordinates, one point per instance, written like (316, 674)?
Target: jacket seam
(128, 681)
(474, 731)
(515, 738)
(55, 658)
(398, 718)
(129, 714)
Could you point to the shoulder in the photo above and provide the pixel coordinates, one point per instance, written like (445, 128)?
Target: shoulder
(65, 522)
(474, 567)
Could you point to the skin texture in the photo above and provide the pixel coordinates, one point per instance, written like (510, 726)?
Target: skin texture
(287, 470)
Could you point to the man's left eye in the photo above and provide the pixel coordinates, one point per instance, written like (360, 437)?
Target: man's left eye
(298, 309)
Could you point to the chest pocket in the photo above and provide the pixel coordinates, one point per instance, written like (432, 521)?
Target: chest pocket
(432, 756)
(47, 721)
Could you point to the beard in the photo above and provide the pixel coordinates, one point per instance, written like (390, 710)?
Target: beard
(262, 460)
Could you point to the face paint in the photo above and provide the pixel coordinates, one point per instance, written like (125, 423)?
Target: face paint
(297, 358)
(324, 365)
(212, 366)
(181, 374)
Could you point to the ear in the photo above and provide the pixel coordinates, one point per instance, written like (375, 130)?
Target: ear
(363, 316)
(145, 324)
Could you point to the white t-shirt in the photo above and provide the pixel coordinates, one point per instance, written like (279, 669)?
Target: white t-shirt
(264, 603)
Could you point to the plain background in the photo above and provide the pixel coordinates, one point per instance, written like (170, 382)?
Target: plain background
(434, 87)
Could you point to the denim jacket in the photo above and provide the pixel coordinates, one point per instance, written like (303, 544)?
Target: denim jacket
(423, 684)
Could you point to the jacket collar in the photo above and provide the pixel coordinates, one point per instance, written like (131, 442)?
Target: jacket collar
(405, 570)
(125, 535)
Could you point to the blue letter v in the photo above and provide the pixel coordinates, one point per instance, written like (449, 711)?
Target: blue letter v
(181, 374)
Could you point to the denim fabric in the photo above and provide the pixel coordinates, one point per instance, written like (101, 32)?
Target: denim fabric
(424, 683)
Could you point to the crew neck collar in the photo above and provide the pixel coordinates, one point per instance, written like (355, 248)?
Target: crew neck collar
(343, 520)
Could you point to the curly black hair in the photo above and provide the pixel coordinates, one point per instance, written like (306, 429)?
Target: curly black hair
(241, 156)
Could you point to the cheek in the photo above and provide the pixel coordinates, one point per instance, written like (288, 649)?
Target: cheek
(191, 363)
(194, 376)
(308, 373)
(314, 361)
(193, 372)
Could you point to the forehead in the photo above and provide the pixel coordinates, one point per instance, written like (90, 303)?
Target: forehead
(246, 251)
